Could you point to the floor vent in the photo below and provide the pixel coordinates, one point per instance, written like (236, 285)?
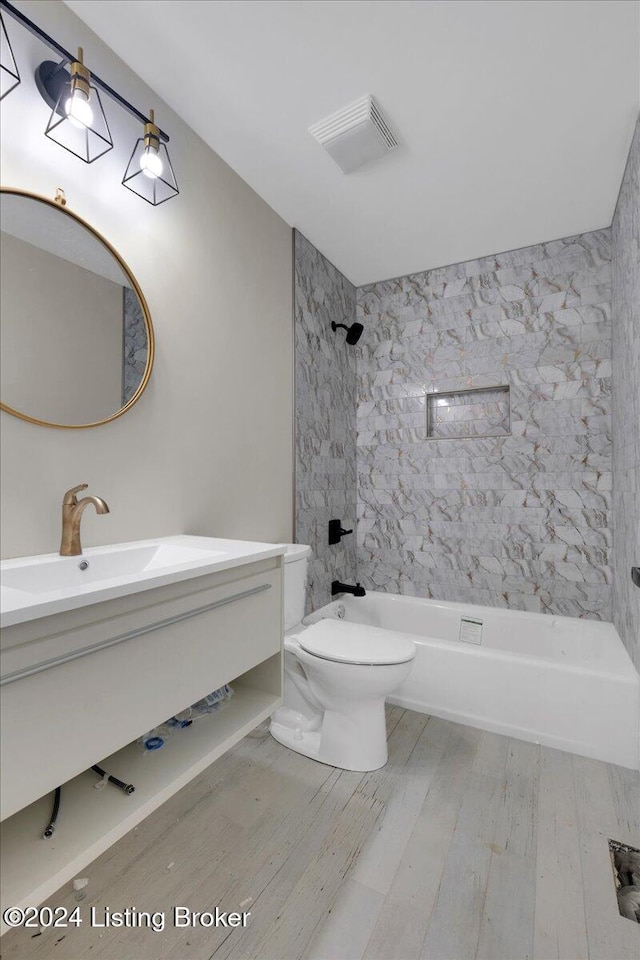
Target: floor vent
(355, 135)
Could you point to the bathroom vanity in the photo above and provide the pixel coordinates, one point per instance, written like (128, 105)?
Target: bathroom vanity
(93, 658)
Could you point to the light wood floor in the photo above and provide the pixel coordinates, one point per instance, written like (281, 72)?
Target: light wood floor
(466, 845)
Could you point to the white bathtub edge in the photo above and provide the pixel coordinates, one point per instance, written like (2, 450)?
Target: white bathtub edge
(622, 757)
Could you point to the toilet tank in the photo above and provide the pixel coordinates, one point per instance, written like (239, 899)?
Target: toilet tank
(295, 583)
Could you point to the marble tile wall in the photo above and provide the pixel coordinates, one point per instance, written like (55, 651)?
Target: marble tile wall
(325, 369)
(521, 521)
(626, 403)
(134, 344)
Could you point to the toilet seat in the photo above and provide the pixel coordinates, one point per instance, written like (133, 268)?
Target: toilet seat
(356, 643)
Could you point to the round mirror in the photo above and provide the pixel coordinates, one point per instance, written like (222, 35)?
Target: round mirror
(76, 336)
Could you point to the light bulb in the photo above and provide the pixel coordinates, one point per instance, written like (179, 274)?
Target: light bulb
(150, 163)
(79, 110)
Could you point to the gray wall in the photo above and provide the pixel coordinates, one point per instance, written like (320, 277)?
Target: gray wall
(61, 324)
(626, 403)
(520, 521)
(208, 448)
(325, 418)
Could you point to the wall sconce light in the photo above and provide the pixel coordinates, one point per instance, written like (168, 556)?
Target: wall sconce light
(8, 66)
(77, 122)
(149, 172)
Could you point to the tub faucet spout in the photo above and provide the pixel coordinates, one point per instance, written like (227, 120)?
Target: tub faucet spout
(357, 591)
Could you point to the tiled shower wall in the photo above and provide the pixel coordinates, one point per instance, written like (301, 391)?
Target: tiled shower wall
(325, 418)
(626, 403)
(521, 521)
(134, 344)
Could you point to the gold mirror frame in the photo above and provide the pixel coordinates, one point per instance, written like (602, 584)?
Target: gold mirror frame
(60, 204)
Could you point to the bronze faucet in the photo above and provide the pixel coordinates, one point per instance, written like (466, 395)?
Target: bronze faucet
(72, 510)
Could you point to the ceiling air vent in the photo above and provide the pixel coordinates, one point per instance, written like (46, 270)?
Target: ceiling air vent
(355, 135)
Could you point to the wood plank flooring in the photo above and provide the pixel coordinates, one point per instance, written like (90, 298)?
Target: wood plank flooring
(466, 846)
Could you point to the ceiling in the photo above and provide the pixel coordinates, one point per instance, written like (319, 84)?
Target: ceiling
(515, 118)
(46, 227)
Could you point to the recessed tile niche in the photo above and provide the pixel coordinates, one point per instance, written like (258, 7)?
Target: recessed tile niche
(482, 412)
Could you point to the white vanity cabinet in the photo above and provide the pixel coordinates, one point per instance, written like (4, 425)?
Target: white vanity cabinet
(80, 686)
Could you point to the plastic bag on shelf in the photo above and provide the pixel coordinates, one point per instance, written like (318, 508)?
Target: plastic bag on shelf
(155, 739)
(212, 702)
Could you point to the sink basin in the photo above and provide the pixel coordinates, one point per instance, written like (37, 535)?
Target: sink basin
(33, 587)
(64, 573)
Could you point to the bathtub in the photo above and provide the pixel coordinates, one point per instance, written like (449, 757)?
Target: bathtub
(558, 681)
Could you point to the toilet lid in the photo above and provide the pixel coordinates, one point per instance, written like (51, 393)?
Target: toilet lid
(356, 643)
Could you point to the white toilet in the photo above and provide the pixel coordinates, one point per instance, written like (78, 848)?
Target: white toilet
(337, 676)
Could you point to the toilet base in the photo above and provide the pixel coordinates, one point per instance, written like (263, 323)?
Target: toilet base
(355, 742)
(306, 742)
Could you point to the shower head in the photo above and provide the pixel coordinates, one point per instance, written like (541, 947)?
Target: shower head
(354, 332)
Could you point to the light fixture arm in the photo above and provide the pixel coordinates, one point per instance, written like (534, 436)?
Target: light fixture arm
(68, 57)
(151, 132)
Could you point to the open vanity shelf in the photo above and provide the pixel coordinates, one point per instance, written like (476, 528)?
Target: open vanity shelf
(91, 820)
(81, 685)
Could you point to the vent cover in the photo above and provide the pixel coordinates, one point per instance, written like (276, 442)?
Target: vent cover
(355, 135)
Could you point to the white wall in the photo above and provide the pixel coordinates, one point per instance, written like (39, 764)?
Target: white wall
(208, 448)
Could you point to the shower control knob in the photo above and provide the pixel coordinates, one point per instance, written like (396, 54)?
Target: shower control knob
(336, 531)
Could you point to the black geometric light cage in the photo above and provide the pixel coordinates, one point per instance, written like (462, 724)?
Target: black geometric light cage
(154, 179)
(155, 190)
(10, 75)
(86, 142)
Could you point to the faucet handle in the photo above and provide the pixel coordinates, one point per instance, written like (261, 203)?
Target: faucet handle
(69, 498)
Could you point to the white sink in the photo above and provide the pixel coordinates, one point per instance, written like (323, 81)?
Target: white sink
(33, 587)
(47, 574)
